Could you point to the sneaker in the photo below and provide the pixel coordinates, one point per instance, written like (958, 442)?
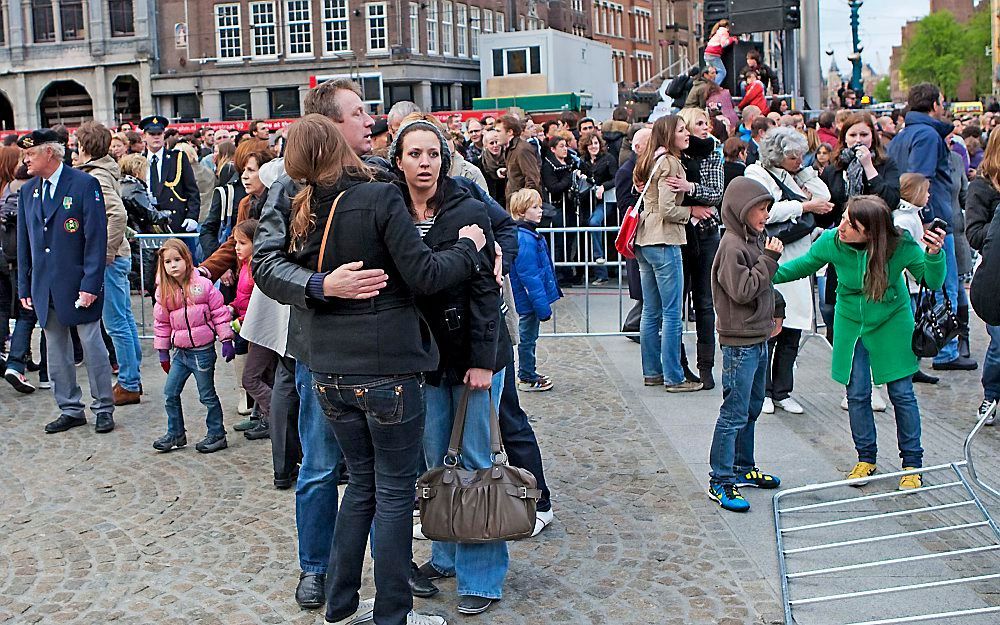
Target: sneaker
(542, 520)
(789, 405)
(755, 478)
(985, 408)
(728, 496)
(860, 470)
(415, 618)
(246, 424)
(418, 532)
(169, 442)
(534, 386)
(260, 431)
(652, 380)
(599, 282)
(44, 383)
(768, 407)
(600, 260)
(364, 613)
(878, 402)
(843, 403)
(18, 381)
(686, 386)
(911, 481)
(471, 604)
(212, 444)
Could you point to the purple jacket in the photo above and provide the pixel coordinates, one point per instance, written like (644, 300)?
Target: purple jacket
(196, 322)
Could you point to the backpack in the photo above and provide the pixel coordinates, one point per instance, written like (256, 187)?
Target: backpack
(678, 85)
(227, 217)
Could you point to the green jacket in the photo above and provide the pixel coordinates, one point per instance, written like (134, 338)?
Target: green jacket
(885, 327)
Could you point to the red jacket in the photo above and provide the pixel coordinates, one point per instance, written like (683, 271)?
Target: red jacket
(244, 288)
(755, 96)
(827, 135)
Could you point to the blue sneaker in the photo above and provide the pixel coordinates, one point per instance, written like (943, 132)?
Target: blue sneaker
(728, 496)
(755, 478)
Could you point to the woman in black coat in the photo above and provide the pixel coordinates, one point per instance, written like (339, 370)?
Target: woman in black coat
(559, 174)
(599, 166)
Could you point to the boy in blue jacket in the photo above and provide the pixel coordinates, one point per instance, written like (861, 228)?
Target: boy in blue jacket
(533, 280)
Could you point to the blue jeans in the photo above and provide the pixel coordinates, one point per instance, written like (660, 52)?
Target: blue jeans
(20, 340)
(316, 492)
(379, 423)
(597, 240)
(954, 293)
(991, 365)
(479, 568)
(662, 276)
(201, 364)
(859, 407)
(720, 67)
(527, 327)
(120, 323)
(744, 370)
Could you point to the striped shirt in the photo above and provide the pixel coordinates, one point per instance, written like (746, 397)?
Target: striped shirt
(425, 226)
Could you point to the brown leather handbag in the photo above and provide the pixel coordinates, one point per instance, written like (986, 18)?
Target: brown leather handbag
(477, 506)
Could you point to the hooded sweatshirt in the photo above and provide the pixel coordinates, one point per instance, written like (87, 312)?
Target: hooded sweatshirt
(742, 270)
(106, 170)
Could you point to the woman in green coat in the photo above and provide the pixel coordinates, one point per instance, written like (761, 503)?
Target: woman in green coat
(873, 321)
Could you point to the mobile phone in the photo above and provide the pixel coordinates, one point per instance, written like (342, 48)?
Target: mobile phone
(940, 224)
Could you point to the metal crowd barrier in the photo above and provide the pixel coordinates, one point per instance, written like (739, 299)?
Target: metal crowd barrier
(152, 242)
(957, 477)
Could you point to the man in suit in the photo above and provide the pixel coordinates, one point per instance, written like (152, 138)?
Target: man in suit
(172, 184)
(62, 240)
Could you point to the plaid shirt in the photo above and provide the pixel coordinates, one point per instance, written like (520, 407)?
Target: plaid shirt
(709, 190)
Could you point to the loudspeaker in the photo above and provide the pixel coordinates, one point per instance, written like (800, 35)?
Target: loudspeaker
(734, 57)
(754, 16)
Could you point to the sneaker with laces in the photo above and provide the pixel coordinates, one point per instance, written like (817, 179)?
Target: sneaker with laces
(534, 386)
(768, 407)
(364, 613)
(789, 405)
(728, 497)
(687, 386)
(415, 618)
(860, 470)
(984, 408)
(18, 381)
(911, 481)
(754, 477)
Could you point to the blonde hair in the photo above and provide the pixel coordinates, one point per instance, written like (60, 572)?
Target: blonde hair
(172, 291)
(187, 150)
(690, 115)
(990, 167)
(135, 165)
(521, 201)
(913, 186)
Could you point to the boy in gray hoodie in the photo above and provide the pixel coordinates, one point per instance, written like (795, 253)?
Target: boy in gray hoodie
(747, 314)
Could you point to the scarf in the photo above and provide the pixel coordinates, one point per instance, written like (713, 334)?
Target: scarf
(854, 177)
(491, 163)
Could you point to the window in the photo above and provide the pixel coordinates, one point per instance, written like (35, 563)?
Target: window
(298, 27)
(487, 21)
(336, 27)
(43, 26)
(461, 30)
(578, 5)
(264, 29)
(122, 20)
(414, 27)
(440, 97)
(378, 36)
(187, 106)
(432, 27)
(520, 22)
(446, 17)
(500, 26)
(398, 93)
(71, 18)
(474, 27)
(236, 104)
(228, 38)
(3, 32)
(512, 61)
(284, 102)
(618, 22)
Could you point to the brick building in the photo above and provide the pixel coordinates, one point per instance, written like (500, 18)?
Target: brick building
(963, 11)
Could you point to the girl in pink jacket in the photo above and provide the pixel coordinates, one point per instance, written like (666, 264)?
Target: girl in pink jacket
(719, 41)
(190, 315)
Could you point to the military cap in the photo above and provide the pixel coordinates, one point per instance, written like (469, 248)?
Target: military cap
(154, 124)
(38, 137)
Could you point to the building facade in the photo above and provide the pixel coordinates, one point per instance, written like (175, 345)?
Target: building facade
(67, 61)
(627, 26)
(963, 11)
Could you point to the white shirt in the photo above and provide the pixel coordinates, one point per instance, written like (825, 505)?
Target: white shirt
(159, 165)
(54, 180)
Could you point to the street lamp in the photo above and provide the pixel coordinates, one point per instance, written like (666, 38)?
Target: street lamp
(855, 56)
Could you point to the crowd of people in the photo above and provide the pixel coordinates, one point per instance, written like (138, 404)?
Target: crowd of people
(370, 278)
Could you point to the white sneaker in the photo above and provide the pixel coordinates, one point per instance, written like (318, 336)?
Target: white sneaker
(542, 520)
(415, 618)
(768, 406)
(843, 402)
(364, 613)
(984, 408)
(44, 384)
(790, 406)
(418, 532)
(18, 381)
(878, 402)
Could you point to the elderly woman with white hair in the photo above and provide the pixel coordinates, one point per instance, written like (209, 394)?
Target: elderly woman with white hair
(799, 194)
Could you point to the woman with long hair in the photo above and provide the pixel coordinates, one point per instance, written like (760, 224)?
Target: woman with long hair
(559, 174)
(658, 241)
(475, 348)
(599, 167)
(368, 357)
(874, 320)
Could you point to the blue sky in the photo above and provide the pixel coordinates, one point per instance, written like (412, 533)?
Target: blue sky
(881, 22)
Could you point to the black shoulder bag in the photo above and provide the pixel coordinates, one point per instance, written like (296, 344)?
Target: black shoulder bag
(934, 324)
(791, 230)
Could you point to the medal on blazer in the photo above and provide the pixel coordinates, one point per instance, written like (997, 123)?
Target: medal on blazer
(71, 225)
(67, 203)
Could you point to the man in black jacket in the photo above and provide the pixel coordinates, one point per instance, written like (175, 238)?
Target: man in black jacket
(172, 184)
(627, 196)
(982, 229)
(765, 73)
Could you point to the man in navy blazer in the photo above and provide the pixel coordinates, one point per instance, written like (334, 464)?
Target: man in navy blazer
(61, 247)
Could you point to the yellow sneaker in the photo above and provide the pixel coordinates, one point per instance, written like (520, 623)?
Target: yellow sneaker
(861, 469)
(909, 482)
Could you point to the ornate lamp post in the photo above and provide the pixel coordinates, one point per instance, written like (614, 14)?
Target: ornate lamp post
(855, 56)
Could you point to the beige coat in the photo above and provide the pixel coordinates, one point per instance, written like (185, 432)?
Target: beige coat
(106, 170)
(663, 218)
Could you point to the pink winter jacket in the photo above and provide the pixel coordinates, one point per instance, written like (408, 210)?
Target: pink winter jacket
(201, 319)
(721, 39)
(244, 288)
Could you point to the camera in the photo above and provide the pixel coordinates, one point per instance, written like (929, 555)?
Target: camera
(846, 157)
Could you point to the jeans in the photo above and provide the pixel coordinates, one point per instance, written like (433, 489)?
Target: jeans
(527, 327)
(991, 365)
(20, 340)
(316, 490)
(720, 67)
(519, 438)
(379, 422)
(120, 324)
(662, 275)
(200, 363)
(743, 371)
(597, 240)
(955, 294)
(859, 407)
(479, 568)
(784, 350)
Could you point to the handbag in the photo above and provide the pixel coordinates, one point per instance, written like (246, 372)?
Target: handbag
(791, 230)
(477, 506)
(934, 324)
(625, 241)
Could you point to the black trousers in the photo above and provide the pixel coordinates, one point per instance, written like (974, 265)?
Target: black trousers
(518, 436)
(699, 254)
(784, 348)
(286, 450)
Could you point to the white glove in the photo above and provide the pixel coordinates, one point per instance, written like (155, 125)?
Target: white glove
(189, 225)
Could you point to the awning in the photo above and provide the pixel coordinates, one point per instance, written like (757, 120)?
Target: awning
(538, 103)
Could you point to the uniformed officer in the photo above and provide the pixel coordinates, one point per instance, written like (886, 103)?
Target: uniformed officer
(172, 184)
(61, 247)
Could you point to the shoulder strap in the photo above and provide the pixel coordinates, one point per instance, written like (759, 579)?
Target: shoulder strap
(326, 232)
(786, 192)
(639, 202)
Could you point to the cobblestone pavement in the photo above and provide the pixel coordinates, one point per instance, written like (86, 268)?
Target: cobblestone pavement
(100, 529)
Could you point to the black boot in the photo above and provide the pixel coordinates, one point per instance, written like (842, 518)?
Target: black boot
(963, 331)
(688, 374)
(706, 362)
